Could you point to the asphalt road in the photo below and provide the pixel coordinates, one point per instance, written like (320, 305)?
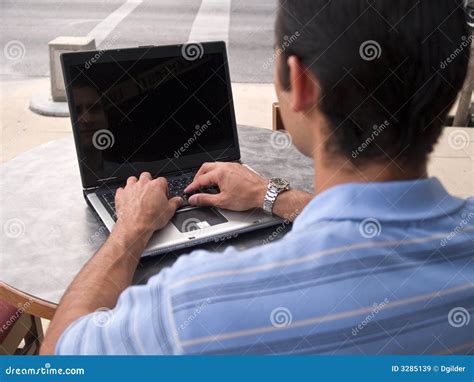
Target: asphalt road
(26, 27)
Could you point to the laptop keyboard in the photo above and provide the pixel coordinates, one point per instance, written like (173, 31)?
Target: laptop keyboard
(109, 199)
(176, 186)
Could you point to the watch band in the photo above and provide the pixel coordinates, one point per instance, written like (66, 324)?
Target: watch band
(275, 187)
(270, 197)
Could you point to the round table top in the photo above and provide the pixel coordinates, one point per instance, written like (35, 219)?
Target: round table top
(49, 233)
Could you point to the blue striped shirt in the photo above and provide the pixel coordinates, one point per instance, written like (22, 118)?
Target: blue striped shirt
(369, 268)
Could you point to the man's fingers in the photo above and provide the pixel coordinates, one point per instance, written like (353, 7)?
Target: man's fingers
(205, 200)
(162, 183)
(206, 167)
(145, 176)
(131, 180)
(205, 180)
(175, 203)
(118, 195)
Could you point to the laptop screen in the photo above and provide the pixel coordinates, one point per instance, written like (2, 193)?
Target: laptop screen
(152, 113)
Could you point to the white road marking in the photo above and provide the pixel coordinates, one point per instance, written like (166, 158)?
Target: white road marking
(103, 29)
(211, 22)
(82, 21)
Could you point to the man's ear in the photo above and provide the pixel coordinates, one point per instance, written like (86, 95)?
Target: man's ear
(305, 90)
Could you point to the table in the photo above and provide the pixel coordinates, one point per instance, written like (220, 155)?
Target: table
(49, 233)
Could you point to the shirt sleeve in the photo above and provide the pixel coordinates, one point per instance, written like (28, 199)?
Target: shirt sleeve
(143, 321)
(139, 324)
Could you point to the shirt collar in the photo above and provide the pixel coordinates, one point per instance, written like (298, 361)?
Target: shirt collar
(385, 201)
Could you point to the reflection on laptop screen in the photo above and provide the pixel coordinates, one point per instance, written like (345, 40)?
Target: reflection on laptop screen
(150, 114)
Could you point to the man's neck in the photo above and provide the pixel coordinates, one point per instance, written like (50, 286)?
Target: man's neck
(330, 173)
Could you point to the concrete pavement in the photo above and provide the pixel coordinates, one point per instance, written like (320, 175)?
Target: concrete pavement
(246, 24)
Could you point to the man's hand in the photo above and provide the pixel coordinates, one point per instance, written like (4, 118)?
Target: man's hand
(143, 205)
(241, 189)
(142, 208)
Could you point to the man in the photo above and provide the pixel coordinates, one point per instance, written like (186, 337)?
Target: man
(91, 118)
(379, 261)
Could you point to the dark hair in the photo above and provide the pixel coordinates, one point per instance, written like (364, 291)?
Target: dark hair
(396, 64)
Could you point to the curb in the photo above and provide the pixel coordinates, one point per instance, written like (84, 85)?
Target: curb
(44, 105)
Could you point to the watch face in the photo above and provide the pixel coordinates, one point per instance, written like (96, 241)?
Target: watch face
(280, 183)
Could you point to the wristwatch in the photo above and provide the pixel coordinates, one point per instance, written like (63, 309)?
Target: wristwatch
(275, 187)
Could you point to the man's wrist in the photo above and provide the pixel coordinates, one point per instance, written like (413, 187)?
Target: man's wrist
(260, 193)
(131, 238)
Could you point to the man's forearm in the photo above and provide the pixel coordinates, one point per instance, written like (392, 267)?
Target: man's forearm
(289, 204)
(99, 283)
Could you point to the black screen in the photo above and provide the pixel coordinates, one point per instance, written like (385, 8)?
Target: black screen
(151, 114)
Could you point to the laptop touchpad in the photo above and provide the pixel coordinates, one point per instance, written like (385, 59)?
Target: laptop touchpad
(196, 219)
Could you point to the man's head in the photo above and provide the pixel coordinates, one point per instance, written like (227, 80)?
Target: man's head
(371, 75)
(91, 116)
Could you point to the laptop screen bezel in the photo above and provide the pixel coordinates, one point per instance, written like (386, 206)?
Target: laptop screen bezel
(148, 52)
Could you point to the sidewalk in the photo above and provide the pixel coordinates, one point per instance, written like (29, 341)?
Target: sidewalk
(452, 161)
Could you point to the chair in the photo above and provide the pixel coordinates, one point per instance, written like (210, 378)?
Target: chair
(21, 331)
(277, 121)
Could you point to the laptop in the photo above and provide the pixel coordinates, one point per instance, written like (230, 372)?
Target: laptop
(161, 109)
